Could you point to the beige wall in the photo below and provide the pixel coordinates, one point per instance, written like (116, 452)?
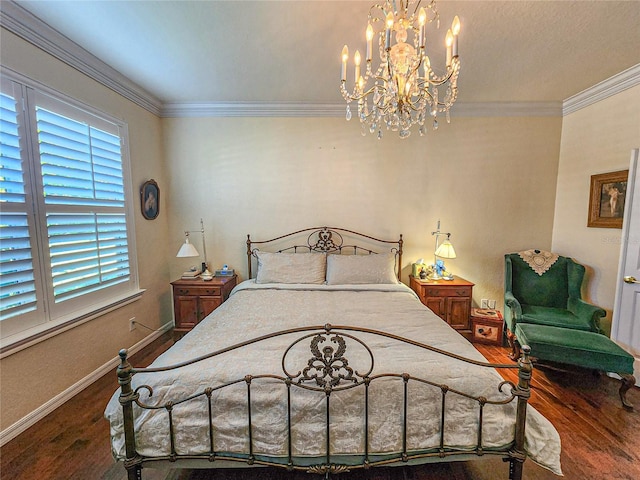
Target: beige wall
(596, 139)
(491, 181)
(35, 375)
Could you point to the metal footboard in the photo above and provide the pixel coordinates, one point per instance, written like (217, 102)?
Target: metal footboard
(327, 371)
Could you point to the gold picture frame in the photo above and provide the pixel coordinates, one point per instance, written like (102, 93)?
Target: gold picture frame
(606, 200)
(150, 199)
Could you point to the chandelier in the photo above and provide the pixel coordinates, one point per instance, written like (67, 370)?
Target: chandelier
(402, 90)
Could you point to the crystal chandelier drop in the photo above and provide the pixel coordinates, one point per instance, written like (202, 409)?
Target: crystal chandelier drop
(403, 90)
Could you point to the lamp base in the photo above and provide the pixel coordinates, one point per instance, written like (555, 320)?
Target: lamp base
(206, 275)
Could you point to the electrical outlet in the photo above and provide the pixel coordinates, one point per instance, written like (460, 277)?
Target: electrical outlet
(484, 303)
(491, 304)
(132, 324)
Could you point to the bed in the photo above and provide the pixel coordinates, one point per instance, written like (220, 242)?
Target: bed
(326, 363)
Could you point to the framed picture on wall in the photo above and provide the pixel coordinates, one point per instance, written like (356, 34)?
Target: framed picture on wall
(606, 201)
(150, 199)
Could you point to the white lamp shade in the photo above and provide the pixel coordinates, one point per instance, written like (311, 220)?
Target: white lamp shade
(445, 250)
(187, 250)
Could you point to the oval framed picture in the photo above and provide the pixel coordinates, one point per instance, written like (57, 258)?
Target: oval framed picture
(150, 199)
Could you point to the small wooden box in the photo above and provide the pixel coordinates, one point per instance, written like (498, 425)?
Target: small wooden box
(487, 326)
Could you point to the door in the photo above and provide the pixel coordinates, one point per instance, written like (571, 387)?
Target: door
(186, 311)
(625, 329)
(207, 305)
(437, 305)
(459, 312)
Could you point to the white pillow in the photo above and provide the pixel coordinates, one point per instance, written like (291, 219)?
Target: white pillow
(291, 267)
(360, 269)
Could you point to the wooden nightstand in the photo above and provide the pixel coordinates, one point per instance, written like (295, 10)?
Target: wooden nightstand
(194, 299)
(449, 299)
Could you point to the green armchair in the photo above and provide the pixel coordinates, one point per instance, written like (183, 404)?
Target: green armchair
(546, 312)
(551, 299)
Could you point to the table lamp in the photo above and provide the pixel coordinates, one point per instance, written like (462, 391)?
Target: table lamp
(188, 250)
(442, 250)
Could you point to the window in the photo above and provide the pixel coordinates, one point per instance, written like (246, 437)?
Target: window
(66, 247)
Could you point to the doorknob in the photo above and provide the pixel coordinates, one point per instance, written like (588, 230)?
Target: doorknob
(630, 279)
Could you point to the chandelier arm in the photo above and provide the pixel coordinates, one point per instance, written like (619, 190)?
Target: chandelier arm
(438, 81)
(415, 9)
(438, 103)
(412, 104)
(455, 69)
(354, 97)
(378, 7)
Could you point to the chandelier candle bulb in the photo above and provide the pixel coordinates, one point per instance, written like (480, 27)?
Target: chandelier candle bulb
(387, 44)
(345, 57)
(422, 21)
(455, 29)
(369, 41)
(449, 41)
(356, 59)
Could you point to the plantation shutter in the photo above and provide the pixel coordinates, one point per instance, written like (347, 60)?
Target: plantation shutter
(84, 200)
(17, 277)
(66, 218)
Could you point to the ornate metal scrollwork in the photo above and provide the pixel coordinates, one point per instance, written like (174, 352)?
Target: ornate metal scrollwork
(331, 469)
(328, 367)
(325, 242)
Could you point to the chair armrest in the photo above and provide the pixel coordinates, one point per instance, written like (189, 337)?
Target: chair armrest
(512, 310)
(582, 309)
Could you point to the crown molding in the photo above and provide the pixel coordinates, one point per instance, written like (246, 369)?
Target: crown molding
(246, 109)
(611, 86)
(24, 24)
(508, 109)
(287, 109)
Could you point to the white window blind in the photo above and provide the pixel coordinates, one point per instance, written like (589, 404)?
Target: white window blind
(66, 248)
(17, 282)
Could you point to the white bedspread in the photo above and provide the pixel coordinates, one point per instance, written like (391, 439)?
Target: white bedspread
(254, 310)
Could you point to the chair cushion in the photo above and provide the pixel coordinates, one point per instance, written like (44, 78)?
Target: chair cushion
(584, 349)
(554, 317)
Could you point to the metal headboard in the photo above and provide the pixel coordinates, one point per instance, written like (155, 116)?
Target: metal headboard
(329, 240)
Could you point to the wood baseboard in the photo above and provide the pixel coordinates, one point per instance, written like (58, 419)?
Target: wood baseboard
(39, 413)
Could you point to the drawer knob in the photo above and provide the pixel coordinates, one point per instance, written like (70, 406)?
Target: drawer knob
(183, 291)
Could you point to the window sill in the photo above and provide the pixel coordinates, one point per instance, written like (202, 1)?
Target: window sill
(40, 333)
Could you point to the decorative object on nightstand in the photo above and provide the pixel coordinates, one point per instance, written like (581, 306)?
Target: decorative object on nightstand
(188, 250)
(442, 250)
(450, 300)
(418, 268)
(225, 271)
(487, 326)
(194, 299)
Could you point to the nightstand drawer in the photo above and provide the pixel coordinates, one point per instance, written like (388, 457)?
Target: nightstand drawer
(453, 291)
(211, 291)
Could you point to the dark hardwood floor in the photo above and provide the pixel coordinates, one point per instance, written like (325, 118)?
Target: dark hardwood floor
(599, 438)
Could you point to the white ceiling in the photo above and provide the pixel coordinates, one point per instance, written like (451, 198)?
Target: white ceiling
(289, 51)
